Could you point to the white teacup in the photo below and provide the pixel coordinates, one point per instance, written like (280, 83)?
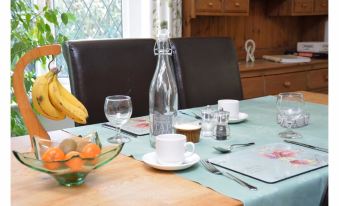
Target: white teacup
(171, 149)
(230, 105)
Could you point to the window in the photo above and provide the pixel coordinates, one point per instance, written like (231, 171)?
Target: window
(102, 19)
(95, 19)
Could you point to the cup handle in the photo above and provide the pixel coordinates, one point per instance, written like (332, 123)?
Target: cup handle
(189, 153)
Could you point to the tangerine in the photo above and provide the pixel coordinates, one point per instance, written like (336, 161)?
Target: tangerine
(74, 163)
(90, 150)
(50, 156)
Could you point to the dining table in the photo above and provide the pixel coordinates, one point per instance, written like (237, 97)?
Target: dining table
(126, 180)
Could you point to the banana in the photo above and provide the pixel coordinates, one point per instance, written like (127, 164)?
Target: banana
(41, 101)
(64, 105)
(70, 98)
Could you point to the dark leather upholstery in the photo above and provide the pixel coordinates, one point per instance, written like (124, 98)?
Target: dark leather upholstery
(100, 68)
(206, 70)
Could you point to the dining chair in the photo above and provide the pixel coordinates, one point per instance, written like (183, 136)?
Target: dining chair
(100, 68)
(206, 70)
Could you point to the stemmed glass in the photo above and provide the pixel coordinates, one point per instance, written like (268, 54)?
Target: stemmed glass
(290, 107)
(118, 110)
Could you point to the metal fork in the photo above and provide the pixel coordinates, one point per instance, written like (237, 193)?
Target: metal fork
(211, 168)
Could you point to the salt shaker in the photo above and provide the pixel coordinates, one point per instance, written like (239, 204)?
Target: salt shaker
(208, 121)
(222, 128)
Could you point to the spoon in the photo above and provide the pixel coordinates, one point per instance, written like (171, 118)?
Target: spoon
(194, 115)
(229, 148)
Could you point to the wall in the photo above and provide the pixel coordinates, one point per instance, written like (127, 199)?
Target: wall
(273, 35)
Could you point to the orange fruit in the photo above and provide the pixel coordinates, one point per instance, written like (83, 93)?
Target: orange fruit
(75, 163)
(90, 150)
(52, 154)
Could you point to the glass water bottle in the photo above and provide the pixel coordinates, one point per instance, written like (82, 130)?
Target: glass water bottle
(163, 93)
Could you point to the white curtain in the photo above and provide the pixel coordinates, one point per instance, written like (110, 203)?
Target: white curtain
(144, 18)
(167, 14)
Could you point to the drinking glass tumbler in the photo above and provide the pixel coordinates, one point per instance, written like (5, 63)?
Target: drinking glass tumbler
(208, 121)
(290, 108)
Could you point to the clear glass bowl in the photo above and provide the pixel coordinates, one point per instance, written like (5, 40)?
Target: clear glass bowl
(71, 171)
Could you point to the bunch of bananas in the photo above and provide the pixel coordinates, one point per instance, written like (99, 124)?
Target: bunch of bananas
(53, 101)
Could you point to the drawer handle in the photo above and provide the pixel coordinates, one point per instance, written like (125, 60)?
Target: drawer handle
(287, 84)
(237, 4)
(210, 4)
(304, 5)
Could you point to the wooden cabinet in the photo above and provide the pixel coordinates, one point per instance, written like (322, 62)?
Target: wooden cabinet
(194, 8)
(297, 7)
(275, 84)
(236, 6)
(321, 6)
(209, 6)
(270, 78)
(219, 7)
(253, 87)
(317, 79)
(302, 6)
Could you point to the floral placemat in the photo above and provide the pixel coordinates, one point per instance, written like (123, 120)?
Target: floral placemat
(273, 162)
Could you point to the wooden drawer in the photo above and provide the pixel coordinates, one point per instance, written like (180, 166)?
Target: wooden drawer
(236, 5)
(303, 6)
(275, 84)
(208, 5)
(253, 87)
(317, 79)
(321, 6)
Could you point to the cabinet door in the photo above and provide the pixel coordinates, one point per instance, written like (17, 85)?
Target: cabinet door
(236, 6)
(285, 83)
(303, 6)
(321, 6)
(208, 5)
(253, 87)
(317, 79)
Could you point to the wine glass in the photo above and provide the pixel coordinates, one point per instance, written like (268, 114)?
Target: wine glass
(290, 107)
(118, 110)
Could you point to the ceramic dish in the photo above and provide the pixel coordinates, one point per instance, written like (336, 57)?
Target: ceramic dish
(151, 160)
(242, 117)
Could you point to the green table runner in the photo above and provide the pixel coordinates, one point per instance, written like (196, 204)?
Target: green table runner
(261, 128)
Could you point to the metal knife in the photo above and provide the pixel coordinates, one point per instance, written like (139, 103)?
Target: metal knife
(122, 130)
(307, 145)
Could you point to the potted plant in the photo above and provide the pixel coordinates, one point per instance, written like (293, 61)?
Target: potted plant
(32, 26)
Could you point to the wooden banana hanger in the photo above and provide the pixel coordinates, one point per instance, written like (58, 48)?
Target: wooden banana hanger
(31, 121)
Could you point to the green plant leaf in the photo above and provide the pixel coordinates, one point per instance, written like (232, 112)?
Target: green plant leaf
(14, 24)
(50, 37)
(28, 19)
(64, 18)
(71, 17)
(47, 28)
(48, 16)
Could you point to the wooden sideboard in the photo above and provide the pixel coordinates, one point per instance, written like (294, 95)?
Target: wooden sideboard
(297, 7)
(268, 78)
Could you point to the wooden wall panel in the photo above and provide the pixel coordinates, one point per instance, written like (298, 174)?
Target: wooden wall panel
(273, 35)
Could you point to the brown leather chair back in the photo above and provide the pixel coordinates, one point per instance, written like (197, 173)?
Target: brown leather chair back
(99, 68)
(206, 70)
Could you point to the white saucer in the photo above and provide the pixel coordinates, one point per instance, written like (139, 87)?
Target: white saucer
(151, 160)
(242, 117)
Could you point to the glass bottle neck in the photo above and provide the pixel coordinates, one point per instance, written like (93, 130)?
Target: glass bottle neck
(163, 47)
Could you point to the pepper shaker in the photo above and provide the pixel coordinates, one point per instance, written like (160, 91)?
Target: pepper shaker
(222, 128)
